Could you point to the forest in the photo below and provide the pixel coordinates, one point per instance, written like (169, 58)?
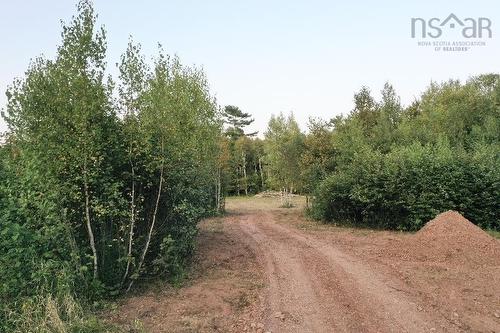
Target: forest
(104, 179)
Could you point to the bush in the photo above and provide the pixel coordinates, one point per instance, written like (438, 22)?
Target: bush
(410, 185)
(97, 192)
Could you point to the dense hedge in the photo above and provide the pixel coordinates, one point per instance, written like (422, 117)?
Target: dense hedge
(410, 185)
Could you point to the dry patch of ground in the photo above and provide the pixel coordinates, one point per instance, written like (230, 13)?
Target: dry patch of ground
(221, 294)
(268, 269)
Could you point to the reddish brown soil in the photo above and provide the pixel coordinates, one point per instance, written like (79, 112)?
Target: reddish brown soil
(220, 295)
(451, 238)
(264, 269)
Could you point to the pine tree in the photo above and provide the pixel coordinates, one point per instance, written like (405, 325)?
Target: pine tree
(237, 121)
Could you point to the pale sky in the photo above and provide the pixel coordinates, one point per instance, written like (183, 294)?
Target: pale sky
(267, 57)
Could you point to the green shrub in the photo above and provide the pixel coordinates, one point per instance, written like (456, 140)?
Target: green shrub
(410, 185)
(96, 192)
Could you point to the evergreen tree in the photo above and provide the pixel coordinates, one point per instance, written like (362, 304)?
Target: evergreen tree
(237, 120)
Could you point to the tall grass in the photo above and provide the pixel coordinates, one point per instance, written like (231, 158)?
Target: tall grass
(49, 314)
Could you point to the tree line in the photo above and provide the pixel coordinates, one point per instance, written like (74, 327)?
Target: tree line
(391, 166)
(387, 165)
(102, 180)
(397, 167)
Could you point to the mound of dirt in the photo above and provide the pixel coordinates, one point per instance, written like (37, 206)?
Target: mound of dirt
(450, 237)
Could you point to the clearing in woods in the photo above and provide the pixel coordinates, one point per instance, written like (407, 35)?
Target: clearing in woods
(267, 269)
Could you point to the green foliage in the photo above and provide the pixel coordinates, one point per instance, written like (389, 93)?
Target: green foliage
(242, 155)
(409, 186)
(318, 157)
(236, 120)
(96, 193)
(283, 146)
(397, 168)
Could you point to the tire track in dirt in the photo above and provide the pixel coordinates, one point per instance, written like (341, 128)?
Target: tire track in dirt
(322, 289)
(286, 273)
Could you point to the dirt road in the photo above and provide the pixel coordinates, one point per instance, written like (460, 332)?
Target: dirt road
(319, 279)
(316, 287)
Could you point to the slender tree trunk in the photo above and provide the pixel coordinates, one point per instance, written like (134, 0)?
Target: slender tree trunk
(255, 172)
(290, 192)
(238, 180)
(218, 191)
(245, 173)
(261, 174)
(146, 246)
(132, 221)
(217, 195)
(268, 173)
(87, 216)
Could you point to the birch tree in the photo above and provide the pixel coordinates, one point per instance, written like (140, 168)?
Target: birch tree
(133, 77)
(284, 146)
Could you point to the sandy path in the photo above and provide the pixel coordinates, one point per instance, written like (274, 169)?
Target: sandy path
(315, 287)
